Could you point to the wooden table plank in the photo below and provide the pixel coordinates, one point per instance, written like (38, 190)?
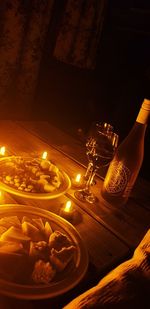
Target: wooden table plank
(129, 223)
(75, 149)
(67, 144)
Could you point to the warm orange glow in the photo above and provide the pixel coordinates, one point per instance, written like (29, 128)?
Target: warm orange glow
(1, 197)
(78, 178)
(2, 150)
(44, 155)
(68, 206)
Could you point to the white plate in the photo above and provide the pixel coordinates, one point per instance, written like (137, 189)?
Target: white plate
(65, 184)
(69, 278)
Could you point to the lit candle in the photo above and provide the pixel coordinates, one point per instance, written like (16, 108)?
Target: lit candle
(67, 211)
(68, 206)
(1, 197)
(45, 163)
(78, 178)
(2, 150)
(78, 181)
(44, 155)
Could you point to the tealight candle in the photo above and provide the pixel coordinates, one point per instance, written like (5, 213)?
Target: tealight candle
(78, 178)
(44, 155)
(78, 181)
(67, 212)
(2, 150)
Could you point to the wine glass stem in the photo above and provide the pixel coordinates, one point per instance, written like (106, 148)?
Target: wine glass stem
(88, 171)
(90, 179)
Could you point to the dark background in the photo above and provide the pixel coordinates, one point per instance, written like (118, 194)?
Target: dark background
(72, 98)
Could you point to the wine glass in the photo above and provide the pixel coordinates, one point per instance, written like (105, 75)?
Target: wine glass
(95, 127)
(101, 144)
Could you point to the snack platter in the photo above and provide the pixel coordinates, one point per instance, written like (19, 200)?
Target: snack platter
(32, 178)
(41, 254)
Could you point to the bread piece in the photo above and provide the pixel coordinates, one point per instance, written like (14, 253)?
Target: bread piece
(39, 250)
(58, 240)
(60, 259)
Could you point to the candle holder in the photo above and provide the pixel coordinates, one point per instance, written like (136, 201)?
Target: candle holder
(78, 182)
(5, 152)
(69, 213)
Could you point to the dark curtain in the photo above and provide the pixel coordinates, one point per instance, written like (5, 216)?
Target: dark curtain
(23, 27)
(79, 33)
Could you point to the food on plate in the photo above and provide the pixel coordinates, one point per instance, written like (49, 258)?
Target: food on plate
(2, 230)
(32, 175)
(14, 234)
(11, 221)
(61, 258)
(57, 240)
(48, 229)
(32, 231)
(31, 252)
(10, 247)
(43, 272)
(39, 250)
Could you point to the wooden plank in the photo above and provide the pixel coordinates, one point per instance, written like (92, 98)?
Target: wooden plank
(128, 223)
(75, 149)
(131, 221)
(67, 144)
(58, 139)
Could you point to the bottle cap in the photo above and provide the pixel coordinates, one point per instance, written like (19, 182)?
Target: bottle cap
(146, 104)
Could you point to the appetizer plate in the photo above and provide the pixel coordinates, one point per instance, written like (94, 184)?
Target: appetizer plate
(67, 279)
(7, 170)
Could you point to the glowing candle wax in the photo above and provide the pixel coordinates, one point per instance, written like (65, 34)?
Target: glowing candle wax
(44, 155)
(78, 181)
(2, 197)
(68, 211)
(2, 150)
(78, 178)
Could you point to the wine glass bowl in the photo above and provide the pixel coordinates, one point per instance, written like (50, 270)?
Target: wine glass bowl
(101, 144)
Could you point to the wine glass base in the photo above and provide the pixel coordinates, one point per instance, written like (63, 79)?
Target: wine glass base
(85, 196)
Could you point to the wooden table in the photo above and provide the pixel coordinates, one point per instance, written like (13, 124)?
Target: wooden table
(109, 234)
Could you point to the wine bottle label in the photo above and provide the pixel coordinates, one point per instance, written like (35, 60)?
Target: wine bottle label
(117, 179)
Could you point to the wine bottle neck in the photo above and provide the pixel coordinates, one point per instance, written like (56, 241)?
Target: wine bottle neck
(143, 116)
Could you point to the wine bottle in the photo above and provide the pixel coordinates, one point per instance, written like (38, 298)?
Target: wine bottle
(125, 166)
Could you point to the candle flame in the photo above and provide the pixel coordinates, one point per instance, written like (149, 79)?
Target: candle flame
(2, 150)
(1, 197)
(68, 206)
(78, 178)
(1, 194)
(44, 155)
